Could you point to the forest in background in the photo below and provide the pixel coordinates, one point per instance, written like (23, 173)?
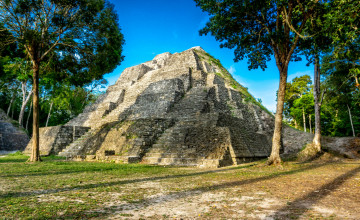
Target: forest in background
(340, 112)
(61, 100)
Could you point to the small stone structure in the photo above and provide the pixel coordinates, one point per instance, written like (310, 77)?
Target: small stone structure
(12, 138)
(177, 109)
(54, 139)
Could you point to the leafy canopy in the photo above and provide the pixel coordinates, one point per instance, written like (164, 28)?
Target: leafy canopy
(258, 29)
(79, 39)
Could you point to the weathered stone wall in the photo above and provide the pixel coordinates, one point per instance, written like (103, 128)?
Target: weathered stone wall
(54, 139)
(12, 138)
(175, 109)
(178, 109)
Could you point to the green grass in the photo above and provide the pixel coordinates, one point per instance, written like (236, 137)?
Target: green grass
(51, 189)
(59, 189)
(25, 182)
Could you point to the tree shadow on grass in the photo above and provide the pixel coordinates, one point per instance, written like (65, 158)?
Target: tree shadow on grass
(12, 160)
(35, 173)
(66, 170)
(186, 193)
(295, 209)
(108, 184)
(23, 158)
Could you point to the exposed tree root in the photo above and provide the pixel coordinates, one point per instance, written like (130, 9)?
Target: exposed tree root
(310, 152)
(274, 160)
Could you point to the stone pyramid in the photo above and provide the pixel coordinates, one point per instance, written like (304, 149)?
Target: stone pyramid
(177, 109)
(12, 138)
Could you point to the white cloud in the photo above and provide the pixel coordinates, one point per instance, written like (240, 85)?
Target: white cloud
(301, 73)
(266, 91)
(232, 70)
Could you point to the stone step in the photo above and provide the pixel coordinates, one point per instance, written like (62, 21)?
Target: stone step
(122, 159)
(172, 161)
(74, 148)
(174, 152)
(173, 155)
(170, 140)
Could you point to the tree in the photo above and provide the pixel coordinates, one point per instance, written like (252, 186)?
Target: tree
(343, 96)
(8, 51)
(83, 34)
(331, 27)
(19, 68)
(316, 42)
(295, 89)
(257, 30)
(302, 107)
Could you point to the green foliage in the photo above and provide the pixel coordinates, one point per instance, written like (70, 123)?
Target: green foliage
(72, 42)
(131, 136)
(16, 154)
(304, 104)
(299, 91)
(68, 102)
(342, 92)
(256, 28)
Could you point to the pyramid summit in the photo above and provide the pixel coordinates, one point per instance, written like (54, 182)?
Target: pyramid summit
(177, 109)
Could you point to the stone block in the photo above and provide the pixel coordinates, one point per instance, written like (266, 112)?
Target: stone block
(177, 109)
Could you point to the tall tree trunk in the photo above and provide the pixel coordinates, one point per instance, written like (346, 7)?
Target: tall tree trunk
(296, 124)
(314, 148)
(11, 101)
(35, 154)
(25, 100)
(304, 120)
(317, 103)
(351, 122)
(47, 120)
(12, 112)
(310, 124)
(276, 141)
(27, 121)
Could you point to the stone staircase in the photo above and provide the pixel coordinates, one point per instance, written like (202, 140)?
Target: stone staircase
(194, 102)
(75, 147)
(170, 148)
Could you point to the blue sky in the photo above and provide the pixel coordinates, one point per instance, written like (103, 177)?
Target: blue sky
(158, 26)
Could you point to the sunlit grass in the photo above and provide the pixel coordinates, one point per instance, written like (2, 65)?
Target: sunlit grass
(60, 189)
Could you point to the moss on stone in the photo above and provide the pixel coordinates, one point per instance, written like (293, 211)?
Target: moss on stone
(131, 136)
(229, 79)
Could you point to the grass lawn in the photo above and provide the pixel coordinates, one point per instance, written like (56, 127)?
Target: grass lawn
(58, 189)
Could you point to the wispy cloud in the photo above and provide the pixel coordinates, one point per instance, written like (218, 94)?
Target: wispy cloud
(232, 70)
(300, 73)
